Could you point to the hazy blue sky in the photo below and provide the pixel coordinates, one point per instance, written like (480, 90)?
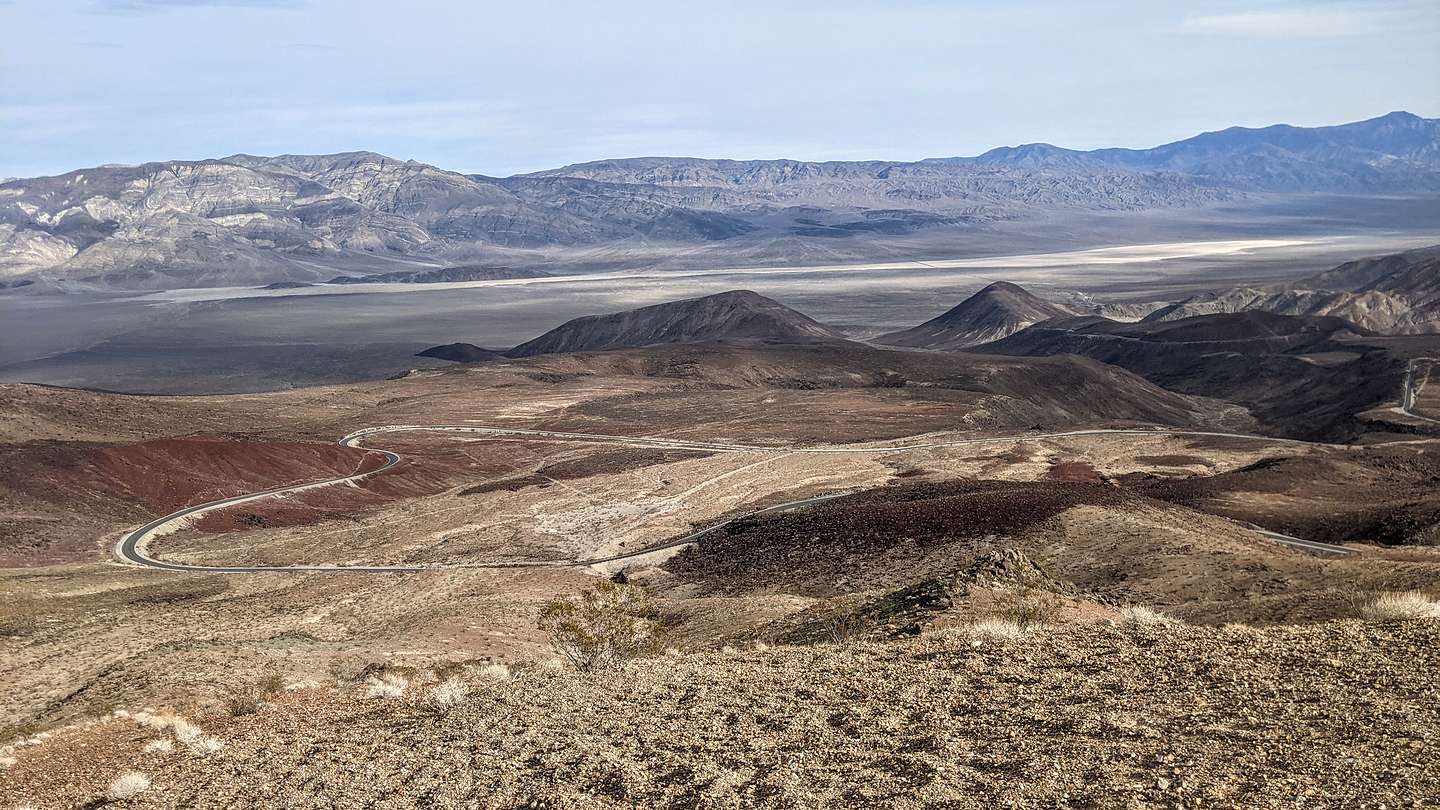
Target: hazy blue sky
(518, 86)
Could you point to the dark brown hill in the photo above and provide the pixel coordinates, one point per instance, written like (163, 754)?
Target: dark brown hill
(1289, 371)
(734, 315)
(996, 312)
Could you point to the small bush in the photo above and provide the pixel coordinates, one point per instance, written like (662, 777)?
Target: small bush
(601, 628)
(843, 629)
(998, 629)
(1405, 606)
(249, 698)
(127, 786)
(494, 672)
(388, 685)
(1027, 605)
(450, 693)
(351, 669)
(158, 746)
(1138, 615)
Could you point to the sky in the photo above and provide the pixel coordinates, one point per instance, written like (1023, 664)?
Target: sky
(501, 88)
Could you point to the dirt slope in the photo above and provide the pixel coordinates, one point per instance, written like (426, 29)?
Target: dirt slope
(1080, 716)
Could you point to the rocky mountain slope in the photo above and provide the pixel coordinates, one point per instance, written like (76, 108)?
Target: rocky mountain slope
(735, 315)
(246, 219)
(1394, 294)
(998, 311)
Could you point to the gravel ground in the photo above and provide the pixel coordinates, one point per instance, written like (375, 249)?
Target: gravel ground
(1341, 714)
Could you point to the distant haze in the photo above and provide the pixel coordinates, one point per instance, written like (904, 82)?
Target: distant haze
(502, 88)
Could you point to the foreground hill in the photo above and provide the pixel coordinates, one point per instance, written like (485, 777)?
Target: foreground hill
(1147, 716)
(247, 219)
(735, 315)
(998, 311)
(1395, 294)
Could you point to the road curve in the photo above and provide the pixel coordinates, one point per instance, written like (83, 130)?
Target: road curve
(131, 546)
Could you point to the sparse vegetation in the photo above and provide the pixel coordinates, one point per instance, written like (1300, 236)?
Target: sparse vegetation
(249, 698)
(998, 629)
(1403, 606)
(127, 786)
(1027, 605)
(387, 685)
(450, 693)
(602, 627)
(843, 629)
(1139, 615)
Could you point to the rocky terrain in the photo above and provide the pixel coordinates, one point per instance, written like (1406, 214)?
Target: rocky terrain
(1102, 716)
(1394, 294)
(254, 220)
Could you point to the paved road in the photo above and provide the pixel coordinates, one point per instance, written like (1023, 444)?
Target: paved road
(1407, 398)
(131, 547)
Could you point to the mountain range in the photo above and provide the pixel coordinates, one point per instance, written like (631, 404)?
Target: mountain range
(247, 219)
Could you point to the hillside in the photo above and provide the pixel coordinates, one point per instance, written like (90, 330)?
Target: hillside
(1147, 716)
(735, 315)
(1290, 371)
(998, 311)
(1395, 294)
(254, 220)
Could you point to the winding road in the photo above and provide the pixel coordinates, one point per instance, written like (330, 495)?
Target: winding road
(1407, 399)
(131, 546)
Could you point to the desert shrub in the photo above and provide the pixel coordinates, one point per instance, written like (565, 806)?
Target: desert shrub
(127, 786)
(351, 668)
(450, 693)
(1404, 606)
(249, 698)
(494, 672)
(843, 629)
(1139, 615)
(601, 628)
(1026, 605)
(158, 746)
(387, 685)
(998, 629)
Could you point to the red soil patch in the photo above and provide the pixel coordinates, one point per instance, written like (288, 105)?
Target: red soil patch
(165, 474)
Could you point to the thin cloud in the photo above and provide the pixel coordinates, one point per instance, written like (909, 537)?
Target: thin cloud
(1294, 22)
(154, 6)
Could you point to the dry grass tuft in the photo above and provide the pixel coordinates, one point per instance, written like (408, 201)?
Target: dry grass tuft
(249, 698)
(1141, 616)
(450, 693)
(158, 746)
(388, 685)
(998, 630)
(1404, 606)
(127, 786)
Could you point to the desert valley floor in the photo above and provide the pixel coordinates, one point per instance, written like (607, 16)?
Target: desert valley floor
(920, 543)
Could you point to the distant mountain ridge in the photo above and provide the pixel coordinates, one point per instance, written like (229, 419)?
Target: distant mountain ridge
(1397, 150)
(254, 220)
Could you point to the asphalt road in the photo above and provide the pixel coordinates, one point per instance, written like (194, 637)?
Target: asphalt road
(1407, 399)
(131, 547)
